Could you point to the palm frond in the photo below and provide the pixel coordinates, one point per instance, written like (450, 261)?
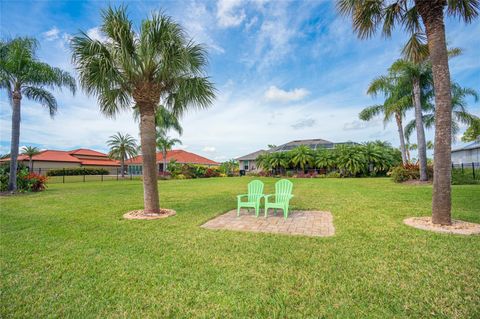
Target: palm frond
(43, 97)
(466, 10)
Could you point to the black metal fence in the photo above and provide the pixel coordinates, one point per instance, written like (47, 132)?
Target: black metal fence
(64, 175)
(469, 169)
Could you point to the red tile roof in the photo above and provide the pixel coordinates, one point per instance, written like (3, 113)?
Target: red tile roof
(86, 151)
(180, 156)
(51, 156)
(68, 157)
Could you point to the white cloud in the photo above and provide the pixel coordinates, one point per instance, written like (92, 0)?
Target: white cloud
(209, 149)
(278, 95)
(52, 34)
(199, 23)
(228, 15)
(96, 34)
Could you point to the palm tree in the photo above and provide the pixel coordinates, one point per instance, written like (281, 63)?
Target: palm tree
(278, 160)
(324, 159)
(164, 144)
(122, 147)
(473, 132)
(397, 101)
(378, 158)
(23, 75)
(350, 159)
(302, 156)
(369, 16)
(157, 66)
(460, 113)
(263, 161)
(417, 74)
(30, 151)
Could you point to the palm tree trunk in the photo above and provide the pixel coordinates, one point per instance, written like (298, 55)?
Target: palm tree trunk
(432, 16)
(421, 142)
(122, 166)
(148, 144)
(15, 141)
(30, 165)
(164, 161)
(398, 119)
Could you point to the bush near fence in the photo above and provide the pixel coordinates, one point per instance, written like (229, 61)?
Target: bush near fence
(77, 171)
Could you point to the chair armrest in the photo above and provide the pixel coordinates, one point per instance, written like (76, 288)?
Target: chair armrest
(242, 195)
(269, 195)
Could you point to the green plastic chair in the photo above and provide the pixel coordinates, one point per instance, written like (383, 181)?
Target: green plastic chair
(283, 194)
(255, 194)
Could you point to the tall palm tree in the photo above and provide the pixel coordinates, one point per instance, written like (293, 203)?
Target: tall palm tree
(122, 147)
(23, 75)
(369, 16)
(397, 101)
(164, 144)
(460, 112)
(302, 156)
(30, 151)
(417, 73)
(157, 66)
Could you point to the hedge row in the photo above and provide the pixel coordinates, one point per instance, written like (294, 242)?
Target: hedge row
(78, 171)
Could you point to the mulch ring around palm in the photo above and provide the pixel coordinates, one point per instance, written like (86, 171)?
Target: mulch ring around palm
(141, 214)
(457, 227)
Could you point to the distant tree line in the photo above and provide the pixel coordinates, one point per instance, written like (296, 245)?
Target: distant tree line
(367, 159)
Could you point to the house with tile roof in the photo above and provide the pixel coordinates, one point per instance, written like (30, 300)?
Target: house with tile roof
(180, 156)
(54, 159)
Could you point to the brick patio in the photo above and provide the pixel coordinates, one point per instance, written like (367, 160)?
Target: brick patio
(305, 223)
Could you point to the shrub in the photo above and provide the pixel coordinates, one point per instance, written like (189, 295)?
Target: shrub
(333, 175)
(164, 175)
(400, 174)
(407, 172)
(465, 177)
(26, 181)
(77, 171)
(35, 182)
(211, 172)
(180, 176)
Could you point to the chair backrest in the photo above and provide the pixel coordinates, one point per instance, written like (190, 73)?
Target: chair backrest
(255, 190)
(283, 190)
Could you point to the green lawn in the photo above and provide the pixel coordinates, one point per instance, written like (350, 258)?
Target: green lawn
(67, 252)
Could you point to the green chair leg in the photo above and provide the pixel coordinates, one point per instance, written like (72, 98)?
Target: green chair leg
(238, 210)
(274, 212)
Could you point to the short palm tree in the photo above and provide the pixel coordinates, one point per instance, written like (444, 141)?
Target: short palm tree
(23, 75)
(263, 161)
(324, 159)
(156, 66)
(302, 156)
(377, 158)
(122, 147)
(278, 161)
(397, 101)
(350, 159)
(30, 151)
(164, 144)
(369, 16)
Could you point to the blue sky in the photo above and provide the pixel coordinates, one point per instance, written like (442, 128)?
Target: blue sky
(284, 70)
